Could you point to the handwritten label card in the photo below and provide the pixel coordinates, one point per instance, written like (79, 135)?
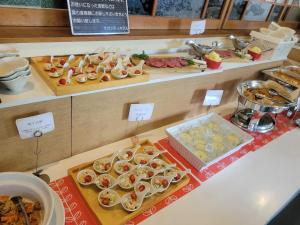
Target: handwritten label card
(197, 27)
(29, 125)
(140, 112)
(213, 97)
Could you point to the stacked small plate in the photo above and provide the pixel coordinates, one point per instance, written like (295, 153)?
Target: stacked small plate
(14, 72)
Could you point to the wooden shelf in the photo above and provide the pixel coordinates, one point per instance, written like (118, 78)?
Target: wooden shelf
(61, 34)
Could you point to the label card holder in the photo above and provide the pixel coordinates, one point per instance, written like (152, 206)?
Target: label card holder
(140, 112)
(213, 97)
(27, 127)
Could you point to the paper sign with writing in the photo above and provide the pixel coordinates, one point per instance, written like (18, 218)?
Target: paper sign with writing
(213, 97)
(96, 17)
(197, 27)
(29, 125)
(140, 112)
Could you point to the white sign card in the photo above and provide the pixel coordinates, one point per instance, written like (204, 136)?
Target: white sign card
(213, 97)
(140, 112)
(197, 27)
(29, 125)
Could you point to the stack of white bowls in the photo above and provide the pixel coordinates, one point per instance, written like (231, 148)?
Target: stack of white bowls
(33, 188)
(14, 73)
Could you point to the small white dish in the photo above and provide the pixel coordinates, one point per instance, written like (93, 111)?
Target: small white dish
(123, 166)
(105, 181)
(86, 177)
(108, 198)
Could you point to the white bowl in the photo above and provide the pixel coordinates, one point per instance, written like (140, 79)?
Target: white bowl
(17, 74)
(31, 187)
(10, 65)
(17, 84)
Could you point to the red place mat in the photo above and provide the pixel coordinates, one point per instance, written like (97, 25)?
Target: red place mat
(283, 125)
(78, 213)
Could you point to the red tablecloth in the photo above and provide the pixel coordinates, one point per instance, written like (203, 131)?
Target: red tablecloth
(78, 213)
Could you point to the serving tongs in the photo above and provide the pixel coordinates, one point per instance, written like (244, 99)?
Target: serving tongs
(17, 200)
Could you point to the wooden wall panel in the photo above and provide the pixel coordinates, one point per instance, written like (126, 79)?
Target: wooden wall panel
(101, 118)
(294, 55)
(17, 154)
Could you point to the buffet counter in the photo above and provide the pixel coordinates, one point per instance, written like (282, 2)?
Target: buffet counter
(37, 90)
(249, 191)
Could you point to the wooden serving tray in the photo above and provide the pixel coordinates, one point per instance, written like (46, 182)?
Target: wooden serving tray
(117, 215)
(75, 87)
(168, 70)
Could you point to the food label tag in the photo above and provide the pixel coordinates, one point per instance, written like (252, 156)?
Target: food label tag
(29, 125)
(197, 27)
(213, 97)
(140, 112)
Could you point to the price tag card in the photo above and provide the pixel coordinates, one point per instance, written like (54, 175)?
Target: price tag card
(140, 112)
(29, 125)
(197, 27)
(213, 97)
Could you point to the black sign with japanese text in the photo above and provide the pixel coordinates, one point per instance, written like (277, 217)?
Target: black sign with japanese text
(89, 17)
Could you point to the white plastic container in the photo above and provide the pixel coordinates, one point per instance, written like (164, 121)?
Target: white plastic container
(280, 49)
(187, 151)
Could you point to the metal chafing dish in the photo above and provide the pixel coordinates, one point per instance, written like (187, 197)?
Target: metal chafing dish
(256, 116)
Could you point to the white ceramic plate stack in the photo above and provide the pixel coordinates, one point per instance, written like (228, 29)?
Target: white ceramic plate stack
(14, 73)
(31, 187)
(7, 51)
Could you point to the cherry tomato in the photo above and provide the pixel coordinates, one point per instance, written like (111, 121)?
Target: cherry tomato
(178, 176)
(137, 72)
(150, 173)
(62, 81)
(112, 64)
(129, 153)
(154, 165)
(53, 70)
(62, 61)
(133, 196)
(105, 182)
(87, 179)
(150, 152)
(90, 65)
(143, 161)
(132, 178)
(124, 72)
(107, 166)
(105, 78)
(164, 183)
(126, 168)
(141, 188)
(129, 65)
(105, 201)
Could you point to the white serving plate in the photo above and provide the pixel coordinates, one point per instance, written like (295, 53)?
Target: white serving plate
(31, 187)
(187, 151)
(59, 211)
(11, 65)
